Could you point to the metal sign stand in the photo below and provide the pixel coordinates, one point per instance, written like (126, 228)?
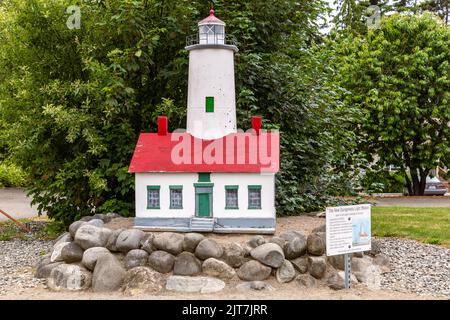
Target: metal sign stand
(347, 265)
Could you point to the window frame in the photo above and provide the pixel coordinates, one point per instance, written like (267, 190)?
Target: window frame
(234, 187)
(252, 188)
(155, 187)
(178, 188)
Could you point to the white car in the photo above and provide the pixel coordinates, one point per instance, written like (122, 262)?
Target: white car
(435, 187)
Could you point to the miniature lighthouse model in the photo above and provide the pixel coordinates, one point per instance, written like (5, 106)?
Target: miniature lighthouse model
(210, 177)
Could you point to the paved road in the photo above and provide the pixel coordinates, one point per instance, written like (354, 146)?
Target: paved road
(414, 201)
(15, 202)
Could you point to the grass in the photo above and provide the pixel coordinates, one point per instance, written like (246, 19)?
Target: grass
(10, 231)
(428, 225)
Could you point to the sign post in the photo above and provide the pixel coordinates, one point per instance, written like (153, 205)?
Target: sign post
(348, 230)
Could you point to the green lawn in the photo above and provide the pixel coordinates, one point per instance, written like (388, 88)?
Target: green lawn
(429, 225)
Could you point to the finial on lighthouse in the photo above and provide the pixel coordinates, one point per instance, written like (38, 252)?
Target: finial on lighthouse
(211, 11)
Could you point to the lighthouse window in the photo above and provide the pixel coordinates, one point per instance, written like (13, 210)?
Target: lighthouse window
(176, 197)
(254, 197)
(209, 104)
(153, 197)
(231, 197)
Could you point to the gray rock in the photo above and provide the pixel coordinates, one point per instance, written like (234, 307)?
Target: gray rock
(233, 254)
(186, 264)
(382, 261)
(291, 235)
(56, 254)
(307, 280)
(43, 270)
(194, 284)
(254, 270)
(285, 273)
(279, 241)
(370, 276)
(301, 264)
(218, 269)
(111, 244)
(100, 216)
(143, 280)
(376, 247)
(317, 266)
(358, 254)
(191, 240)
(113, 215)
(147, 243)
(74, 227)
(316, 243)
(256, 241)
(336, 280)
(322, 228)
(108, 274)
(161, 261)
(91, 255)
(254, 285)
(269, 254)
(337, 261)
(69, 277)
(88, 236)
(72, 253)
(65, 237)
(295, 248)
(86, 218)
(129, 239)
(136, 258)
(170, 242)
(208, 248)
(360, 264)
(96, 222)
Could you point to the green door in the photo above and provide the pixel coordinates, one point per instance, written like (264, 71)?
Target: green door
(203, 205)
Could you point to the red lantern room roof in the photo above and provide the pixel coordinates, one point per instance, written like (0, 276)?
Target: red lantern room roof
(212, 19)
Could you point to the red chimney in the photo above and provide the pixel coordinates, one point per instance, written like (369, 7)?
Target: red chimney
(256, 124)
(162, 126)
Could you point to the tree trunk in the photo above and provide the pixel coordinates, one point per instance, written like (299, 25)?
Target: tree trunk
(416, 185)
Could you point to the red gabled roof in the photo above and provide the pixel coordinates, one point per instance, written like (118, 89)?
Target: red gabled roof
(181, 152)
(211, 19)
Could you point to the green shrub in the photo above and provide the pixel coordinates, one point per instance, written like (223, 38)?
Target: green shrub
(383, 181)
(12, 175)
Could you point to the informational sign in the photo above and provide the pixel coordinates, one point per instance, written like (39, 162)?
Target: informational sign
(348, 229)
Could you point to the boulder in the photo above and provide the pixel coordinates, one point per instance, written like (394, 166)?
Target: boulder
(358, 254)
(295, 248)
(96, 222)
(256, 241)
(316, 243)
(73, 228)
(233, 254)
(143, 280)
(129, 239)
(72, 253)
(56, 254)
(112, 215)
(91, 255)
(360, 264)
(86, 218)
(69, 277)
(89, 236)
(254, 270)
(136, 258)
(383, 262)
(301, 264)
(170, 242)
(322, 228)
(111, 244)
(65, 237)
(291, 235)
(336, 280)
(279, 241)
(376, 247)
(219, 269)
(108, 274)
(307, 280)
(147, 243)
(194, 284)
(161, 261)
(317, 266)
(370, 276)
(208, 248)
(337, 261)
(191, 240)
(186, 264)
(269, 254)
(103, 217)
(43, 270)
(254, 285)
(285, 273)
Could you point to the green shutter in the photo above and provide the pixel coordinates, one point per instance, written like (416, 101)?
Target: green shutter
(204, 177)
(209, 104)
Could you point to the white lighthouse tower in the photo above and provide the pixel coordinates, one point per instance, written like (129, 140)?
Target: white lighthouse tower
(211, 103)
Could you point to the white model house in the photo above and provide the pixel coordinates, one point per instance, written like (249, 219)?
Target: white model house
(210, 177)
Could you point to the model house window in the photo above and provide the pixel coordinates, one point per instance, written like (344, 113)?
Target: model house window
(254, 197)
(176, 197)
(231, 197)
(153, 197)
(209, 104)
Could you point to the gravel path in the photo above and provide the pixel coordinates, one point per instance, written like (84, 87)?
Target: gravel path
(416, 267)
(17, 260)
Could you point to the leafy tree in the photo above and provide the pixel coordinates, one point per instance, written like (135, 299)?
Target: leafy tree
(73, 101)
(399, 79)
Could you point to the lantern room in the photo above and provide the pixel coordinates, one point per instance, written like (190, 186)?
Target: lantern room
(211, 30)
